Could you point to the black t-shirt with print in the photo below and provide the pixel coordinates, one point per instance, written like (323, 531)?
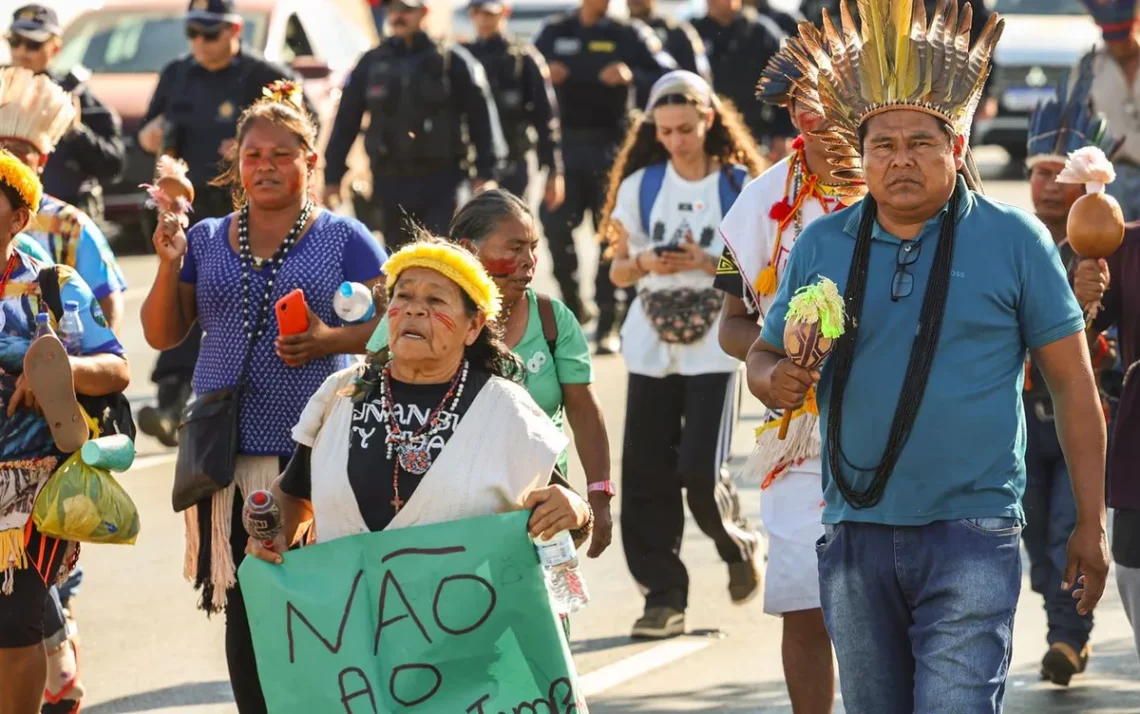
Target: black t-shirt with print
(728, 279)
(370, 470)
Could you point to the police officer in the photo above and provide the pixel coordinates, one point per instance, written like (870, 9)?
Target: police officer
(92, 153)
(788, 21)
(520, 84)
(679, 39)
(193, 116)
(598, 66)
(740, 41)
(423, 97)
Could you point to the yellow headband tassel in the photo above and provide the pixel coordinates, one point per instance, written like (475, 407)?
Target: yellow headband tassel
(22, 179)
(454, 263)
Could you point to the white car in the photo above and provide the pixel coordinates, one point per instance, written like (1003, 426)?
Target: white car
(1042, 41)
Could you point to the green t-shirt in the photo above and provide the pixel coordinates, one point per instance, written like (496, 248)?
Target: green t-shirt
(545, 373)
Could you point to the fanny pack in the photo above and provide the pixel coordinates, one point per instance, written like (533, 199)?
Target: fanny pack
(682, 316)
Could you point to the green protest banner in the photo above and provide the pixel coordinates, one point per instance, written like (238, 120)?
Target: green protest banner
(448, 618)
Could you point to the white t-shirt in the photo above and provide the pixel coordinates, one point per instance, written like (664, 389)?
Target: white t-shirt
(750, 232)
(681, 207)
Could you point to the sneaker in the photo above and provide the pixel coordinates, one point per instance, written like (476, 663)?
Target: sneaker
(159, 423)
(744, 579)
(608, 345)
(659, 623)
(1061, 662)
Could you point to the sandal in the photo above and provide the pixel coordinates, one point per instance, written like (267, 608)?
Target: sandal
(49, 376)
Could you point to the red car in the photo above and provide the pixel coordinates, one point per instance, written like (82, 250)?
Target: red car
(126, 43)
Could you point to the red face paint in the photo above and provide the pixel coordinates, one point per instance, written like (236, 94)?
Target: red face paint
(500, 267)
(393, 311)
(445, 321)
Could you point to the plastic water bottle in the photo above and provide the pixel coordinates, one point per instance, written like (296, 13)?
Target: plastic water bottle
(563, 579)
(353, 303)
(43, 325)
(71, 328)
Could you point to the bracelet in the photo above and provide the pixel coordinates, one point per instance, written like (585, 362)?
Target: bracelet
(583, 532)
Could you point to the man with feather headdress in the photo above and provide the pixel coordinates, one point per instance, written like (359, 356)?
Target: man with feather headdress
(919, 400)
(35, 114)
(1057, 128)
(759, 232)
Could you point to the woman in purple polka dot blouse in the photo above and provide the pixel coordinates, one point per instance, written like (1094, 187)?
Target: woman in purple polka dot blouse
(228, 274)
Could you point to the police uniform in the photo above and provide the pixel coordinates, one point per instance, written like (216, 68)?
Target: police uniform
(201, 110)
(429, 106)
(524, 97)
(738, 53)
(595, 118)
(684, 45)
(91, 154)
(789, 22)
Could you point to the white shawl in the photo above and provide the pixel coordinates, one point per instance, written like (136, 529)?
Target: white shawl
(503, 447)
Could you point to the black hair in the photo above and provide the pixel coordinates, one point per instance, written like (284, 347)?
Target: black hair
(14, 198)
(478, 219)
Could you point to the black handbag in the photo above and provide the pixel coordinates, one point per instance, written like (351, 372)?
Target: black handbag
(682, 316)
(208, 442)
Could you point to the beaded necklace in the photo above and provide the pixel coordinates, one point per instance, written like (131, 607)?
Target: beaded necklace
(255, 329)
(800, 185)
(413, 452)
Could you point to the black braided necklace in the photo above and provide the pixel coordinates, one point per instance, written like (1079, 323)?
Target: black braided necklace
(921, 353)
(254, 329)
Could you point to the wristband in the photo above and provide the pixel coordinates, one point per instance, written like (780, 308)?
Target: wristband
(606, 487)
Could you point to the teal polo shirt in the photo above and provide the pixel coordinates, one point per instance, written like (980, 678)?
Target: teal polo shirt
(965, 457)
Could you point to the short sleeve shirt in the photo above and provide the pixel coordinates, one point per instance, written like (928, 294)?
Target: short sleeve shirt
(1008, 293)
(26, 435)
(73, 239)
(335, 249)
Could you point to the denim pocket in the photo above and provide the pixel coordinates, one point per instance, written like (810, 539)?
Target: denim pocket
(993, 526)
(830, 533)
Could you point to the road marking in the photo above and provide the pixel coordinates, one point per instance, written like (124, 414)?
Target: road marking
(152, 460)
(629, 668)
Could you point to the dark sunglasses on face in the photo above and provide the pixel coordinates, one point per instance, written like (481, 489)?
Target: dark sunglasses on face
(193, 33)
(16, 42)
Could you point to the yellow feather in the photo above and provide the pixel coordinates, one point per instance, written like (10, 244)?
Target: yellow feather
(899, 27)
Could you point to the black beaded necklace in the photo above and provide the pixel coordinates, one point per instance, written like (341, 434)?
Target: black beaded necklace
(255, 329)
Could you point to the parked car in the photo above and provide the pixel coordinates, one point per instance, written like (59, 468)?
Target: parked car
(1042, 41)
(126, 43)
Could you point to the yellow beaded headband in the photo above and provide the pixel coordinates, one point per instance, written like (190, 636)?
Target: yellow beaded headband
(454, 263)
(22, 179)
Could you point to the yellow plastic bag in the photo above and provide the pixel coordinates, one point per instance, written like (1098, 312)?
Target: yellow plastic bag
(85, 504)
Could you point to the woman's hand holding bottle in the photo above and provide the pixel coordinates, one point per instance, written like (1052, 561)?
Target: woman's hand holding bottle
(170, 239)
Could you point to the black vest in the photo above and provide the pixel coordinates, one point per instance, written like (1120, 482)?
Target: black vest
(504, 67)
(415, 127)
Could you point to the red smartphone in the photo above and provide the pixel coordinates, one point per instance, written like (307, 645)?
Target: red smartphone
(292, 314)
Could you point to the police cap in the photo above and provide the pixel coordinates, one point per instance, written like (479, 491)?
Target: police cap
(36, 23)
(213, 12)
(494, 7)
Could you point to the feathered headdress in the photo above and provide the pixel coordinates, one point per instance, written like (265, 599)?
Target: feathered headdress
(1065, 123)
(33, 108)
(1116, 18)
(285, 90)
(900, 60)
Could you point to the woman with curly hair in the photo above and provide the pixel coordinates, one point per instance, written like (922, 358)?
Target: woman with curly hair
(683, 164)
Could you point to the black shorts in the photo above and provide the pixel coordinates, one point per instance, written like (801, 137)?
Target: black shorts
(22, 612)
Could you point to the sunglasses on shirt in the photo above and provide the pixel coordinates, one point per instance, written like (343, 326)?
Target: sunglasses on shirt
(16, 42)
(902, 285)
(193, 33)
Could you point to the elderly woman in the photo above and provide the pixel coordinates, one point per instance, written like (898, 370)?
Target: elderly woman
(543, 333)
(439, 411)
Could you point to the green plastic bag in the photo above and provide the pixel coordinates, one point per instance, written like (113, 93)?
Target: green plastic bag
(85, 504)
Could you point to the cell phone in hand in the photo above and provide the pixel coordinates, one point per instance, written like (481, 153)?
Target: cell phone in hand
(662, 249)
(293, 314)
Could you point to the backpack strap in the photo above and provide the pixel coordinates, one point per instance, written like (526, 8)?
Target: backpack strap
(549, 323)
(732, 180)
(49, 290)
(651, 182)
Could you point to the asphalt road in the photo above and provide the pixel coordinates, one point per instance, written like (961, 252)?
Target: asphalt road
(146, 649)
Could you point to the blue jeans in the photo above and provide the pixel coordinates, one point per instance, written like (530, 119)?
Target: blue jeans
(921, 617)
(1050, 516)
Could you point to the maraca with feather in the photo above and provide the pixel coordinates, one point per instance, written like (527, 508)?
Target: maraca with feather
(815, 319)
(171, 191)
